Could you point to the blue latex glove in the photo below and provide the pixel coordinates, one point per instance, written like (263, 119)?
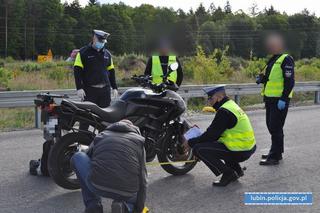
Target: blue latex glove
(281, 104)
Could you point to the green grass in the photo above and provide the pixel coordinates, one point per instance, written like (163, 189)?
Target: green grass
(16, 118)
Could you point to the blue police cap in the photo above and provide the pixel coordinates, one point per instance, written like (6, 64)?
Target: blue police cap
(101, 35)
(210, 91)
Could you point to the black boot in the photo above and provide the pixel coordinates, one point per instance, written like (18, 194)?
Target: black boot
(269, 162)
(34, 167)
(265, 156)
(227, 177)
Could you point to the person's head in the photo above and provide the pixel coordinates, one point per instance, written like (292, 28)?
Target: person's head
(99, 39)
(275, 44)
(164, 47)
(215, 94)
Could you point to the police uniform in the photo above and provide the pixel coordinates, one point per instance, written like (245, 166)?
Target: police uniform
(94, 73)
(278, 84)
(157, 66)
(230, 138)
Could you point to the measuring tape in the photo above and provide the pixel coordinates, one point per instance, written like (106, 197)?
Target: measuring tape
(168, 163)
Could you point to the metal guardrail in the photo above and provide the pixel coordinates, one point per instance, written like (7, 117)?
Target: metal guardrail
(15, 99)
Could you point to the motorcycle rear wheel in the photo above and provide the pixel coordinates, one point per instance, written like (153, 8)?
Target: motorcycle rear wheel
(59, 159)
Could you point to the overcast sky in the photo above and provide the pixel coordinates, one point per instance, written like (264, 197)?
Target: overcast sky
(289, 6)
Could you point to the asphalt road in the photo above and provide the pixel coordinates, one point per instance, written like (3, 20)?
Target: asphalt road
(299, 172)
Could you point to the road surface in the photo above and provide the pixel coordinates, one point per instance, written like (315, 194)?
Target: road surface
(192, 193)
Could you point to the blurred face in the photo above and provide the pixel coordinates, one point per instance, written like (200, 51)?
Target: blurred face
(275, 44)
(215, 99)
(98, 44)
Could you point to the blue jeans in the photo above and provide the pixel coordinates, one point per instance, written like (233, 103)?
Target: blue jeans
(92, 196)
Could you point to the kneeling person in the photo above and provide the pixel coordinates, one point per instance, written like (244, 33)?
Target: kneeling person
(114, 167)
(230, 138)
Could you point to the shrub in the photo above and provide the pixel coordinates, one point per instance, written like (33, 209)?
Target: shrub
(58, 74)
(254, 67)
(30, 67)
(5, 76)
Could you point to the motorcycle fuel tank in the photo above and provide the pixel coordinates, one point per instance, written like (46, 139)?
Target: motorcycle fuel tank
(140, 93)
(136, 93)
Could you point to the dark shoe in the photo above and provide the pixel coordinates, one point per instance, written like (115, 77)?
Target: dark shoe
(119, 207)
(240, 173)
(265, 156)
(226, 178)
(34, 167)
(97, 209)
(269, 162)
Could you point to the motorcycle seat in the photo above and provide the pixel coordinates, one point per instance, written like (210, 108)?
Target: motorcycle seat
(111, 114)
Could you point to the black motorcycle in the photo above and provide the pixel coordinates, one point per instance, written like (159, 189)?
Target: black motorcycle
(155, 109)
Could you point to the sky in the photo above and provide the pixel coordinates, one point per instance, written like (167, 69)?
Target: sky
(288, 6)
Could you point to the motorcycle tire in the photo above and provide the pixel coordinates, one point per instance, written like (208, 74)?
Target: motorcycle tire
(172, 168)
(59, 162)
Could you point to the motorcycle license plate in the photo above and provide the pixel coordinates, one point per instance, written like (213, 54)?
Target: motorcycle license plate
(51, 125)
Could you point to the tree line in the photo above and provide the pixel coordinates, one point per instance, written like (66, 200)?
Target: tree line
(31, 27)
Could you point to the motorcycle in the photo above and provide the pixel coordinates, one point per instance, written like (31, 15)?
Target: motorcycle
(156, 109)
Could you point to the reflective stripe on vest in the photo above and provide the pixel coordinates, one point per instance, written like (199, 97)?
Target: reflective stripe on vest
(157, 71)
(275, 85)
(241, 136)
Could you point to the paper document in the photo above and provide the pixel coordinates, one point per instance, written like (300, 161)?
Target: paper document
(193, 133)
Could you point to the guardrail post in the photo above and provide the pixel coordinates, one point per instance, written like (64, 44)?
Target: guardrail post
(317, 97)
(237, 99)
(186, 101)
(37, 117)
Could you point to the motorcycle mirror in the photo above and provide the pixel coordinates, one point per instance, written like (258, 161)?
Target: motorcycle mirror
(174, 66)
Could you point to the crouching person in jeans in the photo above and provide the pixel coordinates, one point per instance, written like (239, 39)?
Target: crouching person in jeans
(114, 167)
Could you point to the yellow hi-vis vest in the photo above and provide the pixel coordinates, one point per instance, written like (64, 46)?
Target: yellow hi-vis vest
(241, 136)
(275, 85)
(157, 71)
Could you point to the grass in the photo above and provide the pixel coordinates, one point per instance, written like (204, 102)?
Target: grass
(16, 118)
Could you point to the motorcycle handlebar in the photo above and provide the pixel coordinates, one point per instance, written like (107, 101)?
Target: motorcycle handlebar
(146, 81)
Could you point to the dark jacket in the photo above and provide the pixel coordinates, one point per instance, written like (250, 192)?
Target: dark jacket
(223, 120)
(118, 162)
(93, 68)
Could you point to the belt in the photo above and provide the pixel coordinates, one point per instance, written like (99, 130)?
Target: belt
(99, 85)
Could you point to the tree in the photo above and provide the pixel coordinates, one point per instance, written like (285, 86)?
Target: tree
(254, 10)
(93, 3)
(227, 8)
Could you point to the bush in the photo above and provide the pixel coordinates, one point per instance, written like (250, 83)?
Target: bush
(5, 76)
(58, 74)
(131, 62)
(209, 69)
(30, 67)
(254, 67)
(308, 73)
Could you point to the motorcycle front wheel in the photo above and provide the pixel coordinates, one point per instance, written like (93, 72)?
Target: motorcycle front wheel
(59, 159)
(173, 159)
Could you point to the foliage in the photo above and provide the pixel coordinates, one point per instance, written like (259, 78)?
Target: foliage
(34, 26)
(5, 77)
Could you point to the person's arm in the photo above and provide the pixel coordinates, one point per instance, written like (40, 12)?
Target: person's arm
(288, 75)
(78, 72)
(179, 74)
(141, 195)
(223, 120)
(112, 74)
(148, 67)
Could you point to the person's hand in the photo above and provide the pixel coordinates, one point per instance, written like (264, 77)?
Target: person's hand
(259, 78)
(281, 105)
(81, 94)
(186, 146)
(115, 93)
